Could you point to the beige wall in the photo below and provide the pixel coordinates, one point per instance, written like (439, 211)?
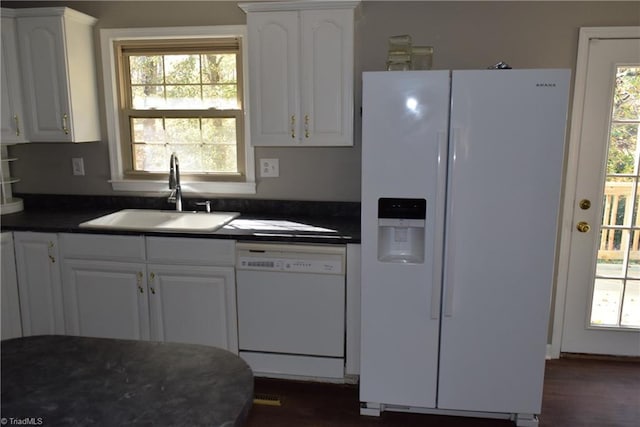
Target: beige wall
(464, 35)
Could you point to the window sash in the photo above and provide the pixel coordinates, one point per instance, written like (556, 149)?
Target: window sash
(124, 49)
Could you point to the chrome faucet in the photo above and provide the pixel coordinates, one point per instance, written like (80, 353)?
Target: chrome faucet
(174, 182)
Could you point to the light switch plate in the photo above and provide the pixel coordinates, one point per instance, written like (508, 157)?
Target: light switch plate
(269, 168)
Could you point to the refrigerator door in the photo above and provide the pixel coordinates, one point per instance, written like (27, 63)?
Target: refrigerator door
(405, 122)
(506, 157)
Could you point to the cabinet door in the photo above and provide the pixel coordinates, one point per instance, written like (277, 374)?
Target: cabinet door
(11, 324)
(274, 77)
(106, 299)
(194, 305)
(42, 55)
(39, 283)
(13, 119)
(327, 77)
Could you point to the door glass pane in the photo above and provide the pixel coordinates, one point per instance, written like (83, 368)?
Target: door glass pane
(633, 269)
(631, 304)
(610, 257)
(607, 300)
(615, 297)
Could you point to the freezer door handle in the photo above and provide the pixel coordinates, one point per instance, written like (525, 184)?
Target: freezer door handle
(436, 284)
(450, 250)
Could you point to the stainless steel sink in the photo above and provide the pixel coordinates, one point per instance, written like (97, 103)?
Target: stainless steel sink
(160, 220)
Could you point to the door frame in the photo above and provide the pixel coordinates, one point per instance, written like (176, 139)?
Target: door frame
(568, 202)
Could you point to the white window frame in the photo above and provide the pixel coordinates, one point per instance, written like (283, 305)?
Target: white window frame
(118, 182)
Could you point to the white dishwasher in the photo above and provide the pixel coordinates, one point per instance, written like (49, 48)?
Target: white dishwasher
(291, 309)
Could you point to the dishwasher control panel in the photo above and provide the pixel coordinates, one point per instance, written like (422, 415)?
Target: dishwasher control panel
(307, 265)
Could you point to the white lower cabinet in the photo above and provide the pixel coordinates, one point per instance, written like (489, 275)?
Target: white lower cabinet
(191, 304)
(105, 299)
(11, 323)
(163, 289)
(40, 287)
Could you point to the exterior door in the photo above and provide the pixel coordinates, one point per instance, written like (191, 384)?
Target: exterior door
(602, 309)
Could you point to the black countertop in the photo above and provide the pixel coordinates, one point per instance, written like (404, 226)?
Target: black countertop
(80, 381)
(260, 220)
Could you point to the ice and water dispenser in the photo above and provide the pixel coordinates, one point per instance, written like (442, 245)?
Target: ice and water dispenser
(401, 231)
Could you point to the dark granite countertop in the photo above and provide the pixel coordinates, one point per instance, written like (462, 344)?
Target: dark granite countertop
(79, 381)
(260, 220)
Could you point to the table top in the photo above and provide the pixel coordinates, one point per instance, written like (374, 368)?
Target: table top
(78, 381)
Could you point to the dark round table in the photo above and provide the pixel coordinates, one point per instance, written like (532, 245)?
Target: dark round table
(76, 381)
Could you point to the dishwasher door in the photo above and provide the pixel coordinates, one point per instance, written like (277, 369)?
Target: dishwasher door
(291, 302)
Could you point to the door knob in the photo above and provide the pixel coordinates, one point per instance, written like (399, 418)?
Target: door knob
(583, 227)
(585, 204)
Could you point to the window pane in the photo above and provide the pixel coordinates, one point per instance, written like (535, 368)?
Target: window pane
(631, 305)
(633, 270)
(617, 206)
(187, 97)
(222, 97)
(182, 131)
(190, 158)
(626, 103)
(151, 158)
(219, 131)
(610, 255)
(220, 157)
(622, 148)
(182, 69)
(607, 298)
(145, 70)
(204, 158)
(219, 68)
(147, 97)
(149, 131)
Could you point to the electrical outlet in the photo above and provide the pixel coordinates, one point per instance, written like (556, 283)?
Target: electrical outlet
(77, 165)
(269, 168)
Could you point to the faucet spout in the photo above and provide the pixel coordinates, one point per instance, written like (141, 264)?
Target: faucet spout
(174, 182)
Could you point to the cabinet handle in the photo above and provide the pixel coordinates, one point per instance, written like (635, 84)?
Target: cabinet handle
(15, 118)
(306, 126)
(139, 282)
(293, 127)
(65, 118)
(51, 257)
(152, 277)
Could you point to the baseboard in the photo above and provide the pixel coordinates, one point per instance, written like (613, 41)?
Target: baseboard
(550, 355)
(604, 357)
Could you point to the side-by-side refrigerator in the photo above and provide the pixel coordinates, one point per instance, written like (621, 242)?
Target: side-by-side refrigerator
(461, 180)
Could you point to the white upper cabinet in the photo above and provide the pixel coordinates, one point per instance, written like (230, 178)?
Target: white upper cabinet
(301, 73)
(12, 114)
(57, 55)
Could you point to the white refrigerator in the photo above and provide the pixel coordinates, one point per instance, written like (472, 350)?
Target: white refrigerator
(461, 181)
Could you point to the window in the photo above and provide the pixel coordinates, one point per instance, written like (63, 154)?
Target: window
(177, 90)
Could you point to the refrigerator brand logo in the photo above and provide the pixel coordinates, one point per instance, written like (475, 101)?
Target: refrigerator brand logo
(545, 85)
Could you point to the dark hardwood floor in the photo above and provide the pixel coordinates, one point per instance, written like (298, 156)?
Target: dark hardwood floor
(577, 393)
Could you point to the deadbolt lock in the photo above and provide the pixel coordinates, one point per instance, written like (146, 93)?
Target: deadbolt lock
(585, 204)
(583, 227)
